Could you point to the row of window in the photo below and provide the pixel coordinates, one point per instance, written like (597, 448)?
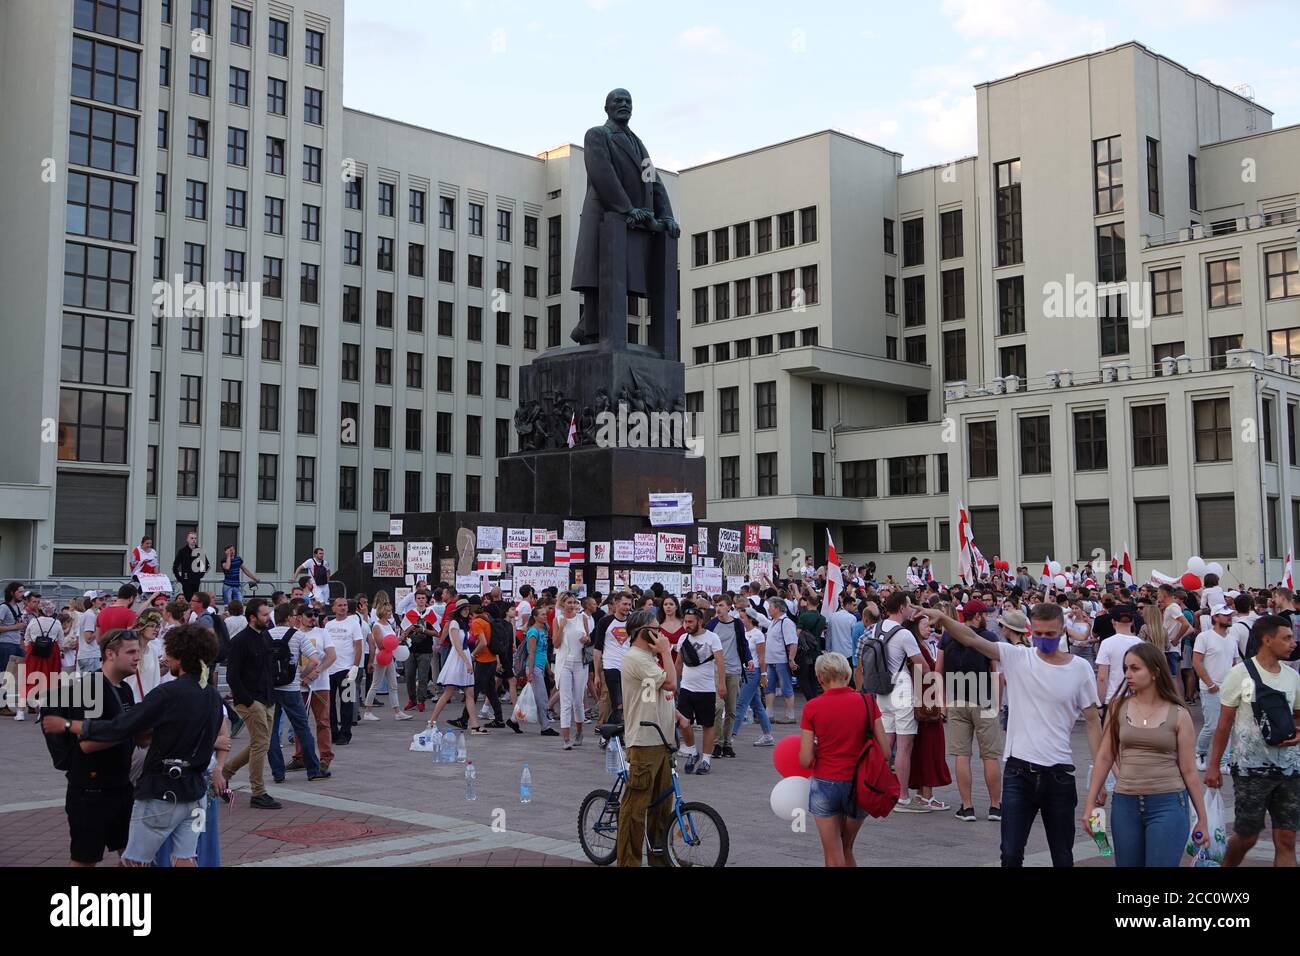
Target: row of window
(951, 238)
(761, 345)
(354, 198)
(906, 476)
(790, 295)
(1108, 177)
(241, 28)
(237, 88)
(733, 242)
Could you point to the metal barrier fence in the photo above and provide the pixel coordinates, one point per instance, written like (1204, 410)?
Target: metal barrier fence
(58, 592)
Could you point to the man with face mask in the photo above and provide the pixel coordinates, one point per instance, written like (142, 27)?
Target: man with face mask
(1049, 689)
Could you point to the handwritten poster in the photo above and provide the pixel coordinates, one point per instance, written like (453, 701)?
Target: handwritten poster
(729, 541)
(419, 557)
(518, 537)
(708, 580)
(751, 539)
(388, 559)
(672, 548)
(489, 538)
(645, 548)
(575, 530)
(536, 555)
(600, 552)
(624, 551)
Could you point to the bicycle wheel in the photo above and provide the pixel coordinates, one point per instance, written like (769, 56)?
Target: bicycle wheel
(704, 842)
(598, 827)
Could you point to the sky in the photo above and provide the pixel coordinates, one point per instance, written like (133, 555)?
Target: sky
(712, 78)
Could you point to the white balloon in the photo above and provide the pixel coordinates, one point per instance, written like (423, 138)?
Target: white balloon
(1214, 567)
(1061, 581)
(1054, 567)
(401, 652)
(789, 796)
(1196, 565)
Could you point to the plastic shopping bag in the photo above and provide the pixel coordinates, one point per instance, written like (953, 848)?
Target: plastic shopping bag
(1217, 821)
(423, 741)
(525, 709)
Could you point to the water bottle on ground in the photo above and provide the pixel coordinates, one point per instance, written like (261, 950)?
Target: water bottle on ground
(1098, 823)
(470, 777)
(435, 738)
(462, 754)
(447, 748)
(526, 786)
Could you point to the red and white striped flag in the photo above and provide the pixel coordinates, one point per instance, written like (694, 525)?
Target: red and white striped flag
(834, 579)
(488, 562)
(578, 555)
(1286, 575)
(965, 560)
(1047, 567)
(561, 557)
(1126, 568)
(573, 430)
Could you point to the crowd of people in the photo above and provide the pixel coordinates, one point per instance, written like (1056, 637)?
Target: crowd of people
(928, 674)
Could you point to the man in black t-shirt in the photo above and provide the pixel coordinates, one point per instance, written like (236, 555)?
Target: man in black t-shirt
(100, 795)
(970, 682)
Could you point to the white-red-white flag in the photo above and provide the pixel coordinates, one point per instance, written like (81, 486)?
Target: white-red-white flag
(1286, 575)
(561, 557)
(573, 430)
(1047, 567)
(965, 560)
(1126, 568)
(578, 555)
(834, 579)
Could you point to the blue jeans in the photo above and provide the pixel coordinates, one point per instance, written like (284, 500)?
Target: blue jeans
(1027, 790)
(231, 592)
(154, 822)
(1149, 830)
(778, 676)
(289, 702)
(751, 698)
(209, 846)
(8, 651)
(1210, 711)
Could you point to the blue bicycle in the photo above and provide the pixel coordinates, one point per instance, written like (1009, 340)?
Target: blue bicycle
(695, 836)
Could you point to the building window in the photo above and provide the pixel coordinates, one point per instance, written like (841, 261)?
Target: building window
(1035, 445)
(1114, 325)
(102, 139)
(200, 76)
(307, 345)
(907, 475)
(765, 471)
(1153, 176)
(97, 278)
(413, 429)
(228, 475)
(530, 332)
(891, 296)
(818, 402)
(742, 239)
(276, 96)
(1220, 346)
(351, 248)
(315, 48)
(104, 72)
(914, 349)
(1167, 291)
(383, 426)
(473, 493)
(1090, 441)
(313, 106)
(442, 492)
(92, 426)
(819, 473)
(473, 435)
(474, 324)
(1270, 453)
(274, 156)
(192, 331)
(858, 479)
(1036, 528)
(306, 480)
(1111, 261)
(785, 229)
(350, 365)
(552, 326)
(1154, 538)
(1108, 176)
(1216, 518)
(913, 242)
(164, 130)
(475, 279)
(191, 395)
(765, 405)
(1009, 237)
(414, 370)
(114, 18)
(914, 301)
(553, 256)
(379, 490)
(1192, 195)
(785, 285)
(475, 219)
(1224, 283)
(309, 286)
(236, 208)
(954, 355)
(889, 236)
(1212, 421)
(306, 411)
(909, 538)
(269, 408)
(384, 260)
(353, 191)
(446, 265)
(808, 224)
(530, 232)
(503, 276)
(196, 141)
(310, 223)
(722, 301)
(1285, 342)
(347, 488)
(891, 347)
(103, 208)
(1011, 305)
(954, 294)
(503, 225)
(701, 309)
(1283, 272)
(729, 475)
(950, 232)
(444, 373)
(232, 404)
(383, 366)
(982, 449)
(764, 227)
(187, 472)
(414, 314)
(278, 37)
(729, 410)
(241, 26)
(311, 164)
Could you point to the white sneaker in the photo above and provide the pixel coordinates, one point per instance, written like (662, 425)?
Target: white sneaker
(369, 716)
(21, 715)
(401, 716)
(912, 805)
(1200, 761)
(767, 740)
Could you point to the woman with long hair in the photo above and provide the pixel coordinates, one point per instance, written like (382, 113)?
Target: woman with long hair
(570, 634)
(929, 753)
(670, 619)
(385, 674)
(1150, 741)
(537, 641)
(458, 672)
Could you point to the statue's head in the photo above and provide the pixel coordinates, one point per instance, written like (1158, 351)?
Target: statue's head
(618, 105)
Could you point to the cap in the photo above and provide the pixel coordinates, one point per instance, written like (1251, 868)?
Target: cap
(974, 606)
(1221, 609)
(1015, 621)
(91, 594)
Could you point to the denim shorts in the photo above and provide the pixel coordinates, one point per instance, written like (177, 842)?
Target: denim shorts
(153, 821)
(833, 798)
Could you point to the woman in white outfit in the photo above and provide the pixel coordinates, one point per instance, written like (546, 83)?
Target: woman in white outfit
(570, 633)
(382, 628)
(458, 672)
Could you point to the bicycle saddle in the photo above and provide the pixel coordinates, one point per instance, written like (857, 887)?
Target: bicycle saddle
(610, 730)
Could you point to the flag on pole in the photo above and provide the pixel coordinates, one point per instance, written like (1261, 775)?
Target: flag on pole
(1047, 567)
(981, 565)
(573, 430)
(1126, 568)
(1286, 575)
(834, 579)
(965, 560)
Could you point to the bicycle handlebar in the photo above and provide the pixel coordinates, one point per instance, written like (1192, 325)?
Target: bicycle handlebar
(660, 732)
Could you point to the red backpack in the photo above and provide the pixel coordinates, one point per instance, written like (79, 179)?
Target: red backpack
(875, 788)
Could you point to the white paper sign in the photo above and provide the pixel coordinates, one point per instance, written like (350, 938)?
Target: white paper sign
(410, 580)
(506, 585)
(518, 537)
(552, 535)
(702, 540)
(539, 536)
(672, 580)
(367, 557)
(536, 555)
(759, 569)
(765, 531)
(729, 540)
(622, 577)
(540, 579)
(671, 548)
(155, 584)
(670, 509)
(419, 557)
(394, 525)
(735, 583)
(489, 538)
(645, 548)
(602, 574)
(575, 530)
(400, 594)
(624, 551)
(599, 552)
(469, 584)
(514, 556)
(388, 559)
(708, 580)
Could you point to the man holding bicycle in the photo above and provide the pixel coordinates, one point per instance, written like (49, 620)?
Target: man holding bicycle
(648, 690)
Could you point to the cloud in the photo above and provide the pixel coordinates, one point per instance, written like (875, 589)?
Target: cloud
(1016, 20)
(709, 40)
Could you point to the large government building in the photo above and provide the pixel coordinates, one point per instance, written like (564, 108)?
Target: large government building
(1085, 333)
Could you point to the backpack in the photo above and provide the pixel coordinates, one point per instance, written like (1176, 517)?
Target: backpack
(320, 574)
(1272, 712)
(44, 644)
(502, 638)
(520, 662)
(810, 648)
(218, 627)
(691, 654)
(876, 677)
(875, 788)
(284, 670)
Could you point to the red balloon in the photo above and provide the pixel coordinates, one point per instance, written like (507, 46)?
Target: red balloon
(1190, 581)
(390, 642)
(785, 757)
(384, 658)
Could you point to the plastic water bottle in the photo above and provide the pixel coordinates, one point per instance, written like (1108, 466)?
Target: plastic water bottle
(470, 777)
(432, 735)
(526, 786)
(447, 748)
(1098, 823)
(462, 754)
(612, 761)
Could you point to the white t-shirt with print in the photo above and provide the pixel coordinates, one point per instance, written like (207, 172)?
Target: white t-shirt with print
(704, 678)
(1046, 701)
(88, 651)
(299, 645)
(341, 635)
(1220, 654)
(611, 655)
(315, 643)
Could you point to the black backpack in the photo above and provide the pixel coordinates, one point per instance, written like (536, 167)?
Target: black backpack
(502, 639)
(1272, 712)
(284, 669)
(223, 635)
(691, 654)
(44, 644)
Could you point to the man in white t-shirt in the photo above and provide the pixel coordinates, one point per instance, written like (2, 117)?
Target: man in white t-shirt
(307, 659)
(782, 648)
(698, 687)
(1211, 597)
(316, 642)
(1110, 655)
(343, 632)
(609, 642)
(317, 570)
(1175, 624)
(87, 642)
(1213, 655)
(1242, 621)
(898, 710)
(1049, 690)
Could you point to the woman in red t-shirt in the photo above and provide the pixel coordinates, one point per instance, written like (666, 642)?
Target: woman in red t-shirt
(836, 726)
